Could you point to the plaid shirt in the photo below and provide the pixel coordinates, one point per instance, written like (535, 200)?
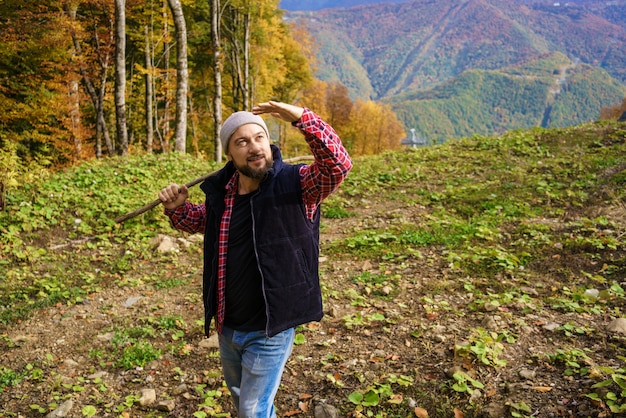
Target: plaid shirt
(318, 180)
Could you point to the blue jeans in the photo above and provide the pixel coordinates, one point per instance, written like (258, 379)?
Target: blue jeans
(253, 368)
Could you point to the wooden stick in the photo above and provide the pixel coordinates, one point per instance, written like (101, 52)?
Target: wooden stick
(192, 183)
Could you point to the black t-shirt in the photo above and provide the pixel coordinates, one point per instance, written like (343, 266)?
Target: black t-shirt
(245, 307)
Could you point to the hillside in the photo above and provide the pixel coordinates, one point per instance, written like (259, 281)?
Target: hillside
(312, 5)
(485, 277)
(551, 91)
(295, 5)
(386, 51)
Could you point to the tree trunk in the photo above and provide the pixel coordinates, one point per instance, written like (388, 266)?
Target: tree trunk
(74, 98)
(73, 90)
(194, 130)
(120, 76)
(238, 37)
(148, 98)
(245, 85)
(100, 109)
(166, 81)
(182, 75)
(217, 76)
(96, 99)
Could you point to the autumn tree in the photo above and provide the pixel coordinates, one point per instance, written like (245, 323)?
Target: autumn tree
(613, 112)
(373, 128)
(314, 97)
(72, 69)
(339, 104)
(34, 110)
(93, 38)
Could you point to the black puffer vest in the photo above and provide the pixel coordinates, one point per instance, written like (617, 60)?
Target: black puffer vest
(286, 244)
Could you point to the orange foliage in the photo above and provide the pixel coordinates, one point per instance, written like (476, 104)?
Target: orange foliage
(613, 112)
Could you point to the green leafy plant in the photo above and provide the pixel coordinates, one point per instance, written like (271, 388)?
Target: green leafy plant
(210, 403)
(615, 400)
(9, 377)
(138, 354)
(571, 358)
(463, 383)
(519, 409)
(89, 411)
(486, 346)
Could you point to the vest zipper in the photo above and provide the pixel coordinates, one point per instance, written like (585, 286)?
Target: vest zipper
(258, 264)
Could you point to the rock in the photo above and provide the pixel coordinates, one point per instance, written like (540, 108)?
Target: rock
(475, 397)
(131, 301)
(494, 410)
(105, 337)
(97, 375)
(147, 397)
(196, 238)
(324, 410)
(62, 411)
(164, 244)
(551, 326)
(166, 406)
(183, 242)
(617, 325)
(527, 374)
(210, 343)
(180, 389)
(70, 364)
(489, 323)
(490, 307)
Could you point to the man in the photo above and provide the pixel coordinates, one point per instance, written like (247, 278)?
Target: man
(261, 246)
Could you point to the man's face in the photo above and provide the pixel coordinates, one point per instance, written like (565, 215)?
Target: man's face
(249, 150)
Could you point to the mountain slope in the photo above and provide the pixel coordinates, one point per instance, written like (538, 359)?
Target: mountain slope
(551, 92)
(397, 49)
(294, 5)
(418, 44)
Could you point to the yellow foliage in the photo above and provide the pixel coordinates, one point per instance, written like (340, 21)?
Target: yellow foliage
(373, 129)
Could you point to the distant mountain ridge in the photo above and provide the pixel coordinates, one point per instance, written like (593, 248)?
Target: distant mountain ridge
(394, 50)
(298, 5)
(551, 91)
(312, 5)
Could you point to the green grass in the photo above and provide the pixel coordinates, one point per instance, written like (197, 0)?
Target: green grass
(486, 216)
(485, 199)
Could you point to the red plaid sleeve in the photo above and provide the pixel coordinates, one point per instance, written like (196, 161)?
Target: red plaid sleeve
(189, 217)
(332, 162)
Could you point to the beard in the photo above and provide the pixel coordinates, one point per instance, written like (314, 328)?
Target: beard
(256, 174)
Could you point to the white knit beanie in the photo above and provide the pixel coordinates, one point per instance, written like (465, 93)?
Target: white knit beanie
(236, 120)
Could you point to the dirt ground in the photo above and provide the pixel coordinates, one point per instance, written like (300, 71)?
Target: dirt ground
(428, 313)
